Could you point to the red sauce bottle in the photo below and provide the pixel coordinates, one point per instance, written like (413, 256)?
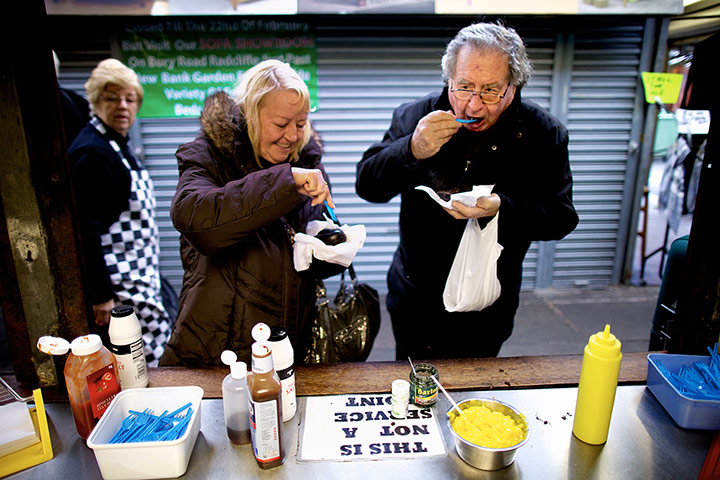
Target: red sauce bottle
(90, 377)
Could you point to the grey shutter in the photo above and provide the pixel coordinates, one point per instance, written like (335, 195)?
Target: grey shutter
(160, 140)
(602, 118)
(362, 78)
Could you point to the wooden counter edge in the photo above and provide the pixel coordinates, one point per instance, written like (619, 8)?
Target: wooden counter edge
(376, 377)
(456, 374)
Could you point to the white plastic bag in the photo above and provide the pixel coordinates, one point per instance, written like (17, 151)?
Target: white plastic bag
(472, 283)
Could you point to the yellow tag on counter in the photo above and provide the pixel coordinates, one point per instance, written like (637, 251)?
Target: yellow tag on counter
(665, 86)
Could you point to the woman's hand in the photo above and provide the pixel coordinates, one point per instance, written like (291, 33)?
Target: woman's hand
(484, 207)
(311, 183)
(102, 312)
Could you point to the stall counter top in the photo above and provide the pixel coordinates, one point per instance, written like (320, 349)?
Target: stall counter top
(643, 443)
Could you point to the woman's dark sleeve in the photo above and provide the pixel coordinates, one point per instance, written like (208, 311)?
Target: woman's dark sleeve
(100, 197)
(213, 215)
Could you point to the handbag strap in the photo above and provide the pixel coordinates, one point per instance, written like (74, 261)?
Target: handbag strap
(320, 290)
(353, 276)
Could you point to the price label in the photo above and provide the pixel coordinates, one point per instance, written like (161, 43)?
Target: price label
(663, 86)
(696, 122)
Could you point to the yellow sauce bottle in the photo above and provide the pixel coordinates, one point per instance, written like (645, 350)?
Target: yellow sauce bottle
(596, 391)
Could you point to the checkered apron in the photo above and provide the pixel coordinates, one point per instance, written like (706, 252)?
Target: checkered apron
(131, 252)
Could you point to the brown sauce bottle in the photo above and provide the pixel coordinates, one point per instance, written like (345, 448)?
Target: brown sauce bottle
(266, 424)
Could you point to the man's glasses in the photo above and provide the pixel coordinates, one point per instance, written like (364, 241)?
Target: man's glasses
(115, 100)
(488, 98)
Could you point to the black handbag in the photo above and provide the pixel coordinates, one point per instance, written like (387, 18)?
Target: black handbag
(344, 330)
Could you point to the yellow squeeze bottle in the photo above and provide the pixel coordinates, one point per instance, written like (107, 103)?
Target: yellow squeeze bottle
(596, 391)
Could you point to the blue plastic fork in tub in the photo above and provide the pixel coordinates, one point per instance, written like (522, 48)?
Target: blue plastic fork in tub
(687, 412)
(151, 459)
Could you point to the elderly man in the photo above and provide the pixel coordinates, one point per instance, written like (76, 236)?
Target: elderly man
(476, 131)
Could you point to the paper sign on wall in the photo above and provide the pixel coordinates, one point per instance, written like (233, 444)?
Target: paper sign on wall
(360, 427)
(696, 122)
(665, 86)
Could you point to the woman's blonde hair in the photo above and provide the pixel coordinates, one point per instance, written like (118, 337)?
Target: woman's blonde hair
(112, 71)
(253, 87)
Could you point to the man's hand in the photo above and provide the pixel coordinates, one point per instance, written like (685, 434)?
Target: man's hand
(432, 132)
(484, 207)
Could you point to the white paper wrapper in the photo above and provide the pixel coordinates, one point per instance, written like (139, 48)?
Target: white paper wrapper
(307, 246)
(466, 198)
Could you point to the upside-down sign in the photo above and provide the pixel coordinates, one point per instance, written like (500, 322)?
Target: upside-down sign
(360, 427)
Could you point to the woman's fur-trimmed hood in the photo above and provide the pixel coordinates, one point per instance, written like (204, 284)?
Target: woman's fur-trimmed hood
(220, 120)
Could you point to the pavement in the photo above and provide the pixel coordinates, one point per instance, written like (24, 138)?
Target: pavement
(560, 321)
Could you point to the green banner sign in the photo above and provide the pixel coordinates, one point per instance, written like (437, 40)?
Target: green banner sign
(181, 62)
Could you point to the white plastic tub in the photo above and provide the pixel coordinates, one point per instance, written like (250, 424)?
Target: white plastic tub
(162, 459)
(687, 412)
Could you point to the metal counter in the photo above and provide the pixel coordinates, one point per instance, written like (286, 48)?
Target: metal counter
(644, 443)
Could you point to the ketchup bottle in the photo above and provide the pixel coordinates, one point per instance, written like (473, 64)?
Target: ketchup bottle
(90, 376)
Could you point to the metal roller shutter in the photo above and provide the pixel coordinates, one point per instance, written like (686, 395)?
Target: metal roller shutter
(160, 140)
(602, 118)
(586, 73)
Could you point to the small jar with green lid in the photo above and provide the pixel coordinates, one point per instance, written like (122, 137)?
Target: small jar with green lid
(423, 389)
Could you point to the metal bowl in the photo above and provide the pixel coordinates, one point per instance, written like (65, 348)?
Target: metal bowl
(486, 458)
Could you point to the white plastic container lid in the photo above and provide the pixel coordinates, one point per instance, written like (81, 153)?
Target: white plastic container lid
(261, 332)
(53, 345)
(228, 357)
(238, 370)
(86, 345)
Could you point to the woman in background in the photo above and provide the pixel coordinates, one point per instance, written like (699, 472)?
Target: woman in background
(249, 180)
(116, 207)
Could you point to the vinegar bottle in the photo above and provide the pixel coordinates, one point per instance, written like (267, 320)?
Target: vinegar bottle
(266, 426)
(596, 391)
(235, 400)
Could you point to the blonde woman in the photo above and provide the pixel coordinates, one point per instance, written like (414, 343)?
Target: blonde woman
(251, 178)
(116, 208)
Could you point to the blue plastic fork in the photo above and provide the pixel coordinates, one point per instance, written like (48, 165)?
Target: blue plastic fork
(144, 426)
(151, 434)
(127, 423)
(137, 422)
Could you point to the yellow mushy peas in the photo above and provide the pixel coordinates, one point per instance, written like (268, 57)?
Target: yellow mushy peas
(489, 429)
